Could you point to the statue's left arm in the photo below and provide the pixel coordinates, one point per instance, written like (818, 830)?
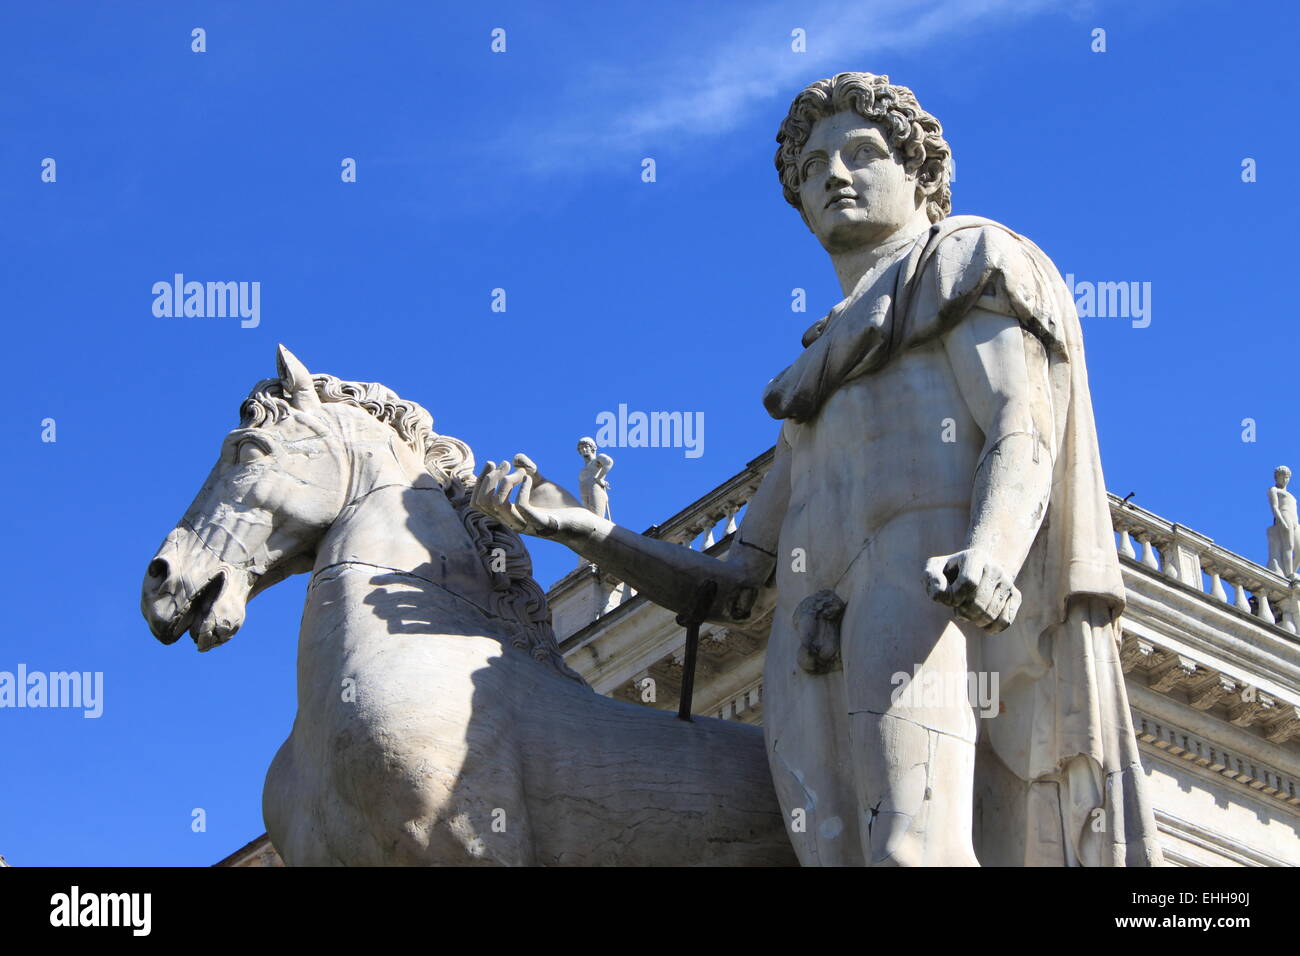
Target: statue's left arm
(1012, 481)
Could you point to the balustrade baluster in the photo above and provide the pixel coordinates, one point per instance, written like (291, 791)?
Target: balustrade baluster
(1242, 601)
(1126, 545)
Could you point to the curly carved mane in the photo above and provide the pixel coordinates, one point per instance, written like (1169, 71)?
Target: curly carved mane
(515, 596)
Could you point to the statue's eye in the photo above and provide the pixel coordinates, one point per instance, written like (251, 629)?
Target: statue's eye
(813, 167)
(865, 153)
(250, 451)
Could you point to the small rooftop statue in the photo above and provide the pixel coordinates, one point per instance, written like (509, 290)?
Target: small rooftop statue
(592, 485)
(1283, 545)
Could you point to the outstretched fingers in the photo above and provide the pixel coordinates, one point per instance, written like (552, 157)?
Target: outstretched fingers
(492, 494)
(479, 501)
(543, 524)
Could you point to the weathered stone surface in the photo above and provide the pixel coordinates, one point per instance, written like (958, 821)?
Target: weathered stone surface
(437, 723)
(937, 470)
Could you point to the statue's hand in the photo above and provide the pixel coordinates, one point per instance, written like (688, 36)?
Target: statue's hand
(976, 588)
(541, 507)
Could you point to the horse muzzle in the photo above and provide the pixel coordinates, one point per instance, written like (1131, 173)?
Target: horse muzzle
(187, 589)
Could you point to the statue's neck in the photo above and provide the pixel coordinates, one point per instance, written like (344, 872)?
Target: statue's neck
(853, 265)
(408, 528)
(387, 520)
(403, 552)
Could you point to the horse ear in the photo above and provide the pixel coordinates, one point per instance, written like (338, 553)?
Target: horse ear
(295, 380)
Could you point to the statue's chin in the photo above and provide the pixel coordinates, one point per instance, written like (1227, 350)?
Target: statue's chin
(219, 617)
(207, 635)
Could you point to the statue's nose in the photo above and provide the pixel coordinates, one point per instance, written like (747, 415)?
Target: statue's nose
(837, 174)
(158, 600)
(159, 576)
(158, 572)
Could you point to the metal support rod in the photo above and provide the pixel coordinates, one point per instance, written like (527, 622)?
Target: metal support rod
(705, 592)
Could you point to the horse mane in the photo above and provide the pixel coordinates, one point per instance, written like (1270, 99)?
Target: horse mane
(515, 596)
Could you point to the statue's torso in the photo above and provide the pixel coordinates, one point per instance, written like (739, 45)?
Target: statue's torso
(885, 443)
(1286, 505)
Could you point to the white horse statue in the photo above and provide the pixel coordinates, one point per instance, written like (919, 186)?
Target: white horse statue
(437, 723)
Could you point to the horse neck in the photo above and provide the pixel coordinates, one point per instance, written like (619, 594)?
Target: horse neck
(406, 552)
(396, 515)
(407, 529)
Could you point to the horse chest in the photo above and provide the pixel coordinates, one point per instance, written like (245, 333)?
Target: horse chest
(405, 739)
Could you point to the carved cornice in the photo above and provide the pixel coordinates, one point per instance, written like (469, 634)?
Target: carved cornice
(1205, 688)
(746, 706)
(1174, 741)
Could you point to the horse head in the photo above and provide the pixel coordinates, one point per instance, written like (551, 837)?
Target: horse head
(281, 480)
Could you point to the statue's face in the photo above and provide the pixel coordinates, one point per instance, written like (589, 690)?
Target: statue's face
(855, 191)
(1281, 478)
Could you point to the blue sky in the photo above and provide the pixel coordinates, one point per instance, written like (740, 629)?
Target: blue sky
(522, 171)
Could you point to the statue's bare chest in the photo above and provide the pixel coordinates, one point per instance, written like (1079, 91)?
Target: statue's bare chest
(883, 444)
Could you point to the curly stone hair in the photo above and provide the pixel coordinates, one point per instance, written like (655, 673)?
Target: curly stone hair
(914, 133)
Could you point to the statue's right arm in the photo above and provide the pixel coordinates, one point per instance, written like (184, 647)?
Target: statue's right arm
(667, 574)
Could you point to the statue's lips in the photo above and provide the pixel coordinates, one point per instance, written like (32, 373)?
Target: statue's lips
(841, 198)
(196, 612)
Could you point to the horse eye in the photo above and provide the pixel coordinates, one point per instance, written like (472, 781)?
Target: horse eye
(250, 451)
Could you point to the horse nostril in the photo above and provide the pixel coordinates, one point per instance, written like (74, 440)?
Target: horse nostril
(158, 568)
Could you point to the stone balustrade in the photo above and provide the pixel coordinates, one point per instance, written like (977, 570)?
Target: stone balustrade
(713, 518)
(1196, 561)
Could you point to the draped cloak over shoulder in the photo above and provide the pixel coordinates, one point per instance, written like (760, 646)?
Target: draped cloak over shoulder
(1074, 794)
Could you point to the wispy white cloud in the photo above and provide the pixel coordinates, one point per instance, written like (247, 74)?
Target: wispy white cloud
(722, 74)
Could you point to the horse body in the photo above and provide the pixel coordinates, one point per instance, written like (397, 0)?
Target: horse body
(457, 747)
(434, 726)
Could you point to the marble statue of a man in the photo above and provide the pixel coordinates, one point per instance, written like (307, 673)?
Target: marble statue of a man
(1283, 534)
(935, 510)
(591, 480)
